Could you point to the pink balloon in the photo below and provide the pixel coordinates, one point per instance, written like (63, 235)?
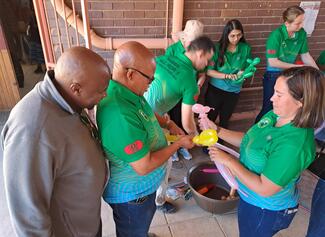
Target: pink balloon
(224, 171)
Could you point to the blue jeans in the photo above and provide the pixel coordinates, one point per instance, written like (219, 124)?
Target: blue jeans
(269, 80)
(133, 218)
(316, 226)
(258, 222)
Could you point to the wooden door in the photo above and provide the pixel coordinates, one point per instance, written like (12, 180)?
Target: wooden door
(9, 94)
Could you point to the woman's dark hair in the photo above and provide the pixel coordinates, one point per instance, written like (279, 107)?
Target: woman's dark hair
(307, 85)
(233, 24)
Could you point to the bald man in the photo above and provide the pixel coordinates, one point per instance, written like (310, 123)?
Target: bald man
(54, 167)
(133, 141)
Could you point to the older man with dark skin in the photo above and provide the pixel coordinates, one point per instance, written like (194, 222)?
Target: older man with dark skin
(133, 141)
(54, 167)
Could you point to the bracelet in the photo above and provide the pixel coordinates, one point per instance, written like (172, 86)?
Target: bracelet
(226, 76)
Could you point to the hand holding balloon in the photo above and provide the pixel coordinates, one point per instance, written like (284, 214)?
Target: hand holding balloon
(249, 71)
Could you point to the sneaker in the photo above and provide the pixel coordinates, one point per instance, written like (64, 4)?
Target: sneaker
(185, 153)
(175, 157)
(205, 150)
(167, 208)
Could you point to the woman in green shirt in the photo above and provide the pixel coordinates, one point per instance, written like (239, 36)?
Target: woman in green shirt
(283, 46)
(231, 53)
(274, 152)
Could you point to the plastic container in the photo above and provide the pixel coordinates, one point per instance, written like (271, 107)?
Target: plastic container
(197, 179)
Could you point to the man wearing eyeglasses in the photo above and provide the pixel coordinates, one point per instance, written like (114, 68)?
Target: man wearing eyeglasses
(133, 141)
(175, 81)
(54, 167)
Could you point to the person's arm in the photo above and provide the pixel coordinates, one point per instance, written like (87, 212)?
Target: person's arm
(257, 183)
(275, 62)
(201, 79)
(188, 121)
(232, 137)
(29, 178)
(221, 75)
(170, 125)
(308, 60)
(153, 160)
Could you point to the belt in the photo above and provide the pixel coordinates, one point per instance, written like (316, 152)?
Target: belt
(139, 200)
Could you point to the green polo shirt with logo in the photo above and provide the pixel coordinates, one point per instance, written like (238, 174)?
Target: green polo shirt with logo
(129, 130)
(286, 49)
(176, 48)
(233, 63)
(280, 154)
(175, 80)
(321, 59)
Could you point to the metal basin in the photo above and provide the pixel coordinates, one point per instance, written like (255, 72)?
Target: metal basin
(197, 179)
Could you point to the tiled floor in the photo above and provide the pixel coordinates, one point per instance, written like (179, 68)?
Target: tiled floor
(190, 220)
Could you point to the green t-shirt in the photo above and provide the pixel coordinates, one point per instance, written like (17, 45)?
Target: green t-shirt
(128, 130)
(321, 59)
(175, 80)
(176, 48)
(233, 63)
(280, 154)
(280, 45)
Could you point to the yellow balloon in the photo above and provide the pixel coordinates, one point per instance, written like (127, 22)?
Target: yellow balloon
(171, 138)
(207, 137)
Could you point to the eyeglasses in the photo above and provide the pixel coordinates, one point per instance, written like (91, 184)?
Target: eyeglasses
(150, 79)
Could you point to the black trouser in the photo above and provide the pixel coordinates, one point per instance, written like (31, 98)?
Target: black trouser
(223, 102)
(176, 114)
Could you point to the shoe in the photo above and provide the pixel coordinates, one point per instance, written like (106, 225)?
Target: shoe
(167, 208)
(152, 235)
(205, 150)
(185, 153)
(175, 157)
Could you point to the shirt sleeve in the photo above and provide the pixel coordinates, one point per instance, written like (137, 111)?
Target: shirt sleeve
(304, 46)
(130, 140)
(285, 163)
(214, 60)
(273, 45)
(29, 168)
(191, 92)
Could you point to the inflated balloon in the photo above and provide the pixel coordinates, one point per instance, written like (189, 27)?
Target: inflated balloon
(249, 71)
(224, 171)
(171, 138)
(207, 137)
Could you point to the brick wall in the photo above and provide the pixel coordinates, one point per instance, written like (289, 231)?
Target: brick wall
(146, 18)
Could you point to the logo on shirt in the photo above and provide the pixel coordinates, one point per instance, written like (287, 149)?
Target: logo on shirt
(264, 123)
(134, 147)
(271, 51)
(196, 97)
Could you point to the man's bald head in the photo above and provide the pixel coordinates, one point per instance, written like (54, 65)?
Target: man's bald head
(77, 64)
(132, 55)
(82, 77)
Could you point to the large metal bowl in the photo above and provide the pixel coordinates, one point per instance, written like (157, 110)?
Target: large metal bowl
(196, 179)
